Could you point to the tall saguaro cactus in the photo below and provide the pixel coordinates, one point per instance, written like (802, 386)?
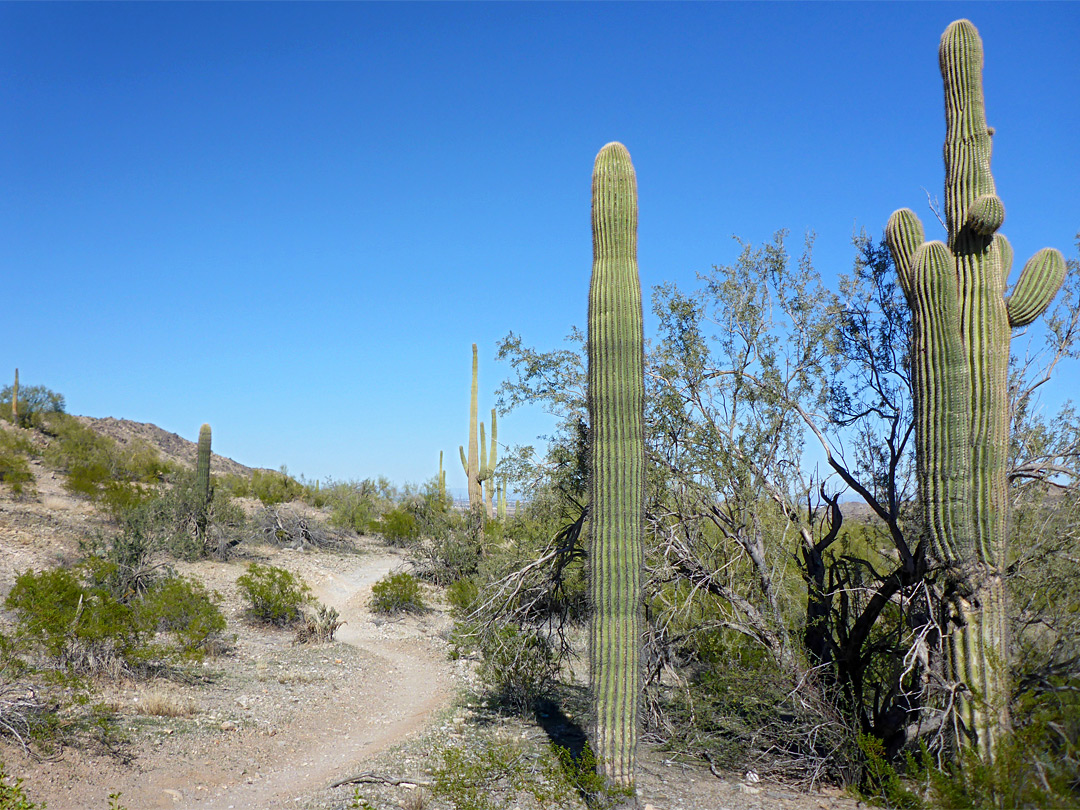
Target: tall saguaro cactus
(15, 400)
(616, 394)
(202, 481)
(961, 325)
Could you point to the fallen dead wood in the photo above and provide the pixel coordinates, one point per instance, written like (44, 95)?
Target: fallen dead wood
(374, 779)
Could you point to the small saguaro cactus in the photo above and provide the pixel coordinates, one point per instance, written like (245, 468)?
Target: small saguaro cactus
(202, 481)
(961, 325)
(616, 395)
(15, 400)
(470, 463)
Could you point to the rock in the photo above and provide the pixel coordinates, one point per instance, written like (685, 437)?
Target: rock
(228, 725)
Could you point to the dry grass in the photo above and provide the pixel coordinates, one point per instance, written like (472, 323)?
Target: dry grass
(157, 703)
(287, 678)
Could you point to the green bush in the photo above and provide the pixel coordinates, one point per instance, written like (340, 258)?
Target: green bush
(1034, 766)
(275, 487)
(184, 610)
(397, 593)
(518, 666)
(77, 620)
(78, 627)
(238, 486)
(14, 465)
(166, 521)
(274, 595)
(472, 776)
(463, 596)
(397, 527)
(12, 795)
(446, 559)
(353, 506)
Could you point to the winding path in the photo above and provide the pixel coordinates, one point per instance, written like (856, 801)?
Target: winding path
(401, 683)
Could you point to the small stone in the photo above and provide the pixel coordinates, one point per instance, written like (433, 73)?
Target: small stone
(228, 725)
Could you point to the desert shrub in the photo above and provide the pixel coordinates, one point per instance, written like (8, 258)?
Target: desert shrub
(354, 505)
(78, 622)
(446, 559)
(238, 486)
(463, 596)
(315, 494)
(397, 593)
(14, 465)
(74, 625)
(183, 609)
(491, 771)
(166, 521)
(274, 595)
(318, 626)
(743, 710)
(1034, 766)
(275, 487)
(518, 665)
(881, 783)
(397, 526)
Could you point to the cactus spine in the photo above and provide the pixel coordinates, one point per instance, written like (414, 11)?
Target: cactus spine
(616, 463)
(15, 400)
(470, 463)
(202, 481)
(961, 325)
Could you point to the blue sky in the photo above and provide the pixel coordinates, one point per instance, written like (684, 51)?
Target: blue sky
(292, 220)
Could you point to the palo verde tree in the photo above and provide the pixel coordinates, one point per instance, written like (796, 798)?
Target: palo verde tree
(615, 393)
(961, 325)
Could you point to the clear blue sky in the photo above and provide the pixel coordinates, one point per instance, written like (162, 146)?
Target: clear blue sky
(292, 220)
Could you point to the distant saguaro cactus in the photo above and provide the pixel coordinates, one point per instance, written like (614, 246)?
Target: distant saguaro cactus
(470, 463)
(488, 460)
(501, 508)
(616, 395)
(15, 400)
(961, 325)
(442, 480)
(202, 481)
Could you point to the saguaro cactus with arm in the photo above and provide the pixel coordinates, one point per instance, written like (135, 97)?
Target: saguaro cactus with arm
(961, 326)
(616, 394)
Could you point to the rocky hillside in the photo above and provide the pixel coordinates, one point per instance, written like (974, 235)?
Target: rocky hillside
(173, 448)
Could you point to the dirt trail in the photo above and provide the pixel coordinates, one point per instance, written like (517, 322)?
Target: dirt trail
(401, 683)
(285, 721)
